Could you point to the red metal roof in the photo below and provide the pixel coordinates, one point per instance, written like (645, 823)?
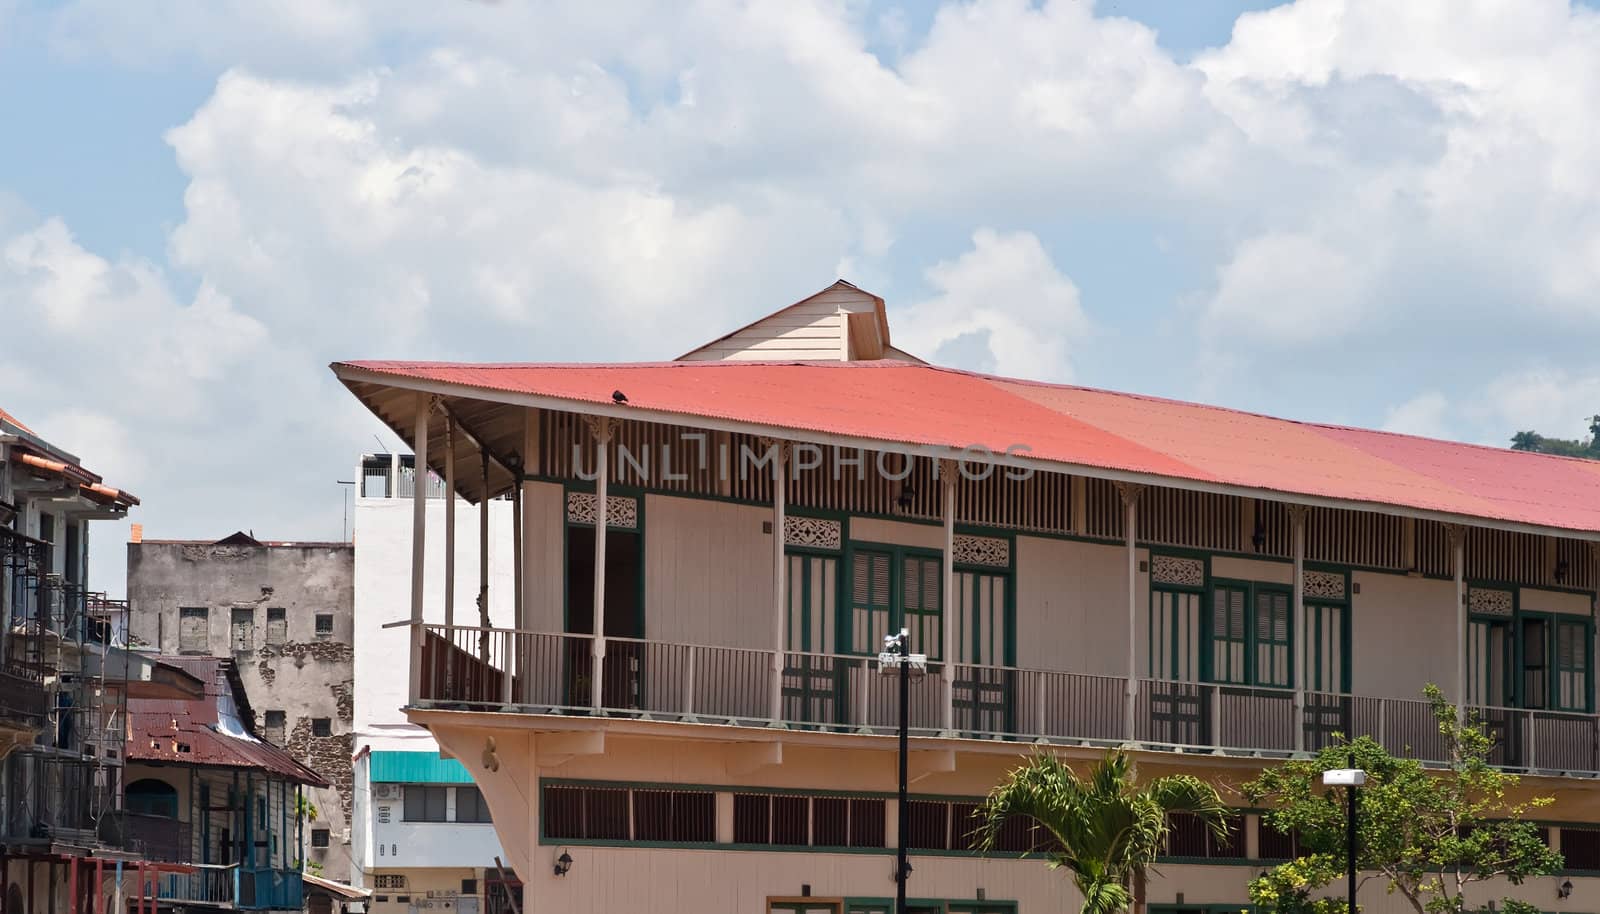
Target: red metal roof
(187, 731)
(914, 404)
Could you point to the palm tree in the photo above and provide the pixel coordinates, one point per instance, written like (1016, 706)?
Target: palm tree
(1105, 829)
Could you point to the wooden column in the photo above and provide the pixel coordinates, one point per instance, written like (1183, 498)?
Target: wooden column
(1458, 561)
(948, 470)
(1130, 493)
(780, 574)
(449, 524)
(602, 429)
(419, 530)
(483, 559)
(1297, 516)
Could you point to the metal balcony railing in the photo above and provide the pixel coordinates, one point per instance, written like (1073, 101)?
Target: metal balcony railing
(235, 886)
(535, 672)
(22, 697)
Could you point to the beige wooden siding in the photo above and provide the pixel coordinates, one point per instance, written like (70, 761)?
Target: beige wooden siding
(708, 573)
(1404, 634)
(544, 511)
(1225, 566)
(1552, 601)
(1072, 606)
(810, 330)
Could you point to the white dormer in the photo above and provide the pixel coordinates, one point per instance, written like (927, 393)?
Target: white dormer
(839, 324)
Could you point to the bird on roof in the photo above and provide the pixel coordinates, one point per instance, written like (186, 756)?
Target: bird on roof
(618, 396)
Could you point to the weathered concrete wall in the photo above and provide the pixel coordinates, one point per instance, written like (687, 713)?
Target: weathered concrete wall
(307, 675)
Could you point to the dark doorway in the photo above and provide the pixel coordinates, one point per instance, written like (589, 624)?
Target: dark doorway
(623, 617)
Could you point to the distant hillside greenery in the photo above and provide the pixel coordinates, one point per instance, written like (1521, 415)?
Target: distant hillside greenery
(1565, 447)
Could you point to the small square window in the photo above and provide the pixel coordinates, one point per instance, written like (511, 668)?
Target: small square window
(244, 628)
(324, 624)
(424, 803)
(277, 625)
(469, 886)
(274, 727)
(321, 726)
(319, 837)
(470, 806)
(193, 630)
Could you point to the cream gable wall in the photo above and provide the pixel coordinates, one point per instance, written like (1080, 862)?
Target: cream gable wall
(813, 329)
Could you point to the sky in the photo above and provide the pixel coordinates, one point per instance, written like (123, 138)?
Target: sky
(1349, 211)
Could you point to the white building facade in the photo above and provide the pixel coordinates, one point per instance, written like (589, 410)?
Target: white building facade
(421, 839)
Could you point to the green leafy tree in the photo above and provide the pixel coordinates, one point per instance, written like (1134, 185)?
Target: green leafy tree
(1104, 829)
(1427, 835)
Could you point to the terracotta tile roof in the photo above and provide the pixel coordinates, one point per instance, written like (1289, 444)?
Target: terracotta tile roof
(920, 405)
(190, 731)
(7, 417)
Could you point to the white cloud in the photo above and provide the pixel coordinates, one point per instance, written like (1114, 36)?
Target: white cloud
(1553, 402)
(1290, 288)
(1005, 295)
(497, 180)
(1426, 414)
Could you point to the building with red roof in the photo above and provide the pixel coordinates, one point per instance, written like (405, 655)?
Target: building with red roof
(684, 674)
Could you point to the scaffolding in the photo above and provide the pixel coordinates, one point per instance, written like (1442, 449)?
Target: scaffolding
(62, 640)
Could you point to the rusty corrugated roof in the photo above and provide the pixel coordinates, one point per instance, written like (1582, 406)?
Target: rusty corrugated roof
(189, 731)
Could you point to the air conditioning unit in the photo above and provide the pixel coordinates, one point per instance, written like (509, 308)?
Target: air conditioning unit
(386, 791)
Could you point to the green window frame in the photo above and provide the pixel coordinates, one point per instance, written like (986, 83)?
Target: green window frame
(1176, 622)
(1573, 685)
(889, 588)
(1249, 635)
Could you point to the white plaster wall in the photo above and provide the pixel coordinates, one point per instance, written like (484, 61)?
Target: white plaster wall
(1404, 634)
(431, 844)
(708, 573)
(383, 595)
(1072, 606)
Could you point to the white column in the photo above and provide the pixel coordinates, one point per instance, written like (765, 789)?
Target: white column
(602, 438)
(449, 523)
(419, 527)
(484, 655)
(1297, 632)
(1458, 544)
(947, 478)
(780, 575)
(514, 656)
(1130, 528)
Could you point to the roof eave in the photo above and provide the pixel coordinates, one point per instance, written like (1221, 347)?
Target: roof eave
(354, 374)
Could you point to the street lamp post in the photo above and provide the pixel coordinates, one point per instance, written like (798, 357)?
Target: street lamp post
(1350, 778)
(896, 654)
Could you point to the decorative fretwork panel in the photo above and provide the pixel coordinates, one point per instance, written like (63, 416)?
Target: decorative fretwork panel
(1324, 585)
(992, 551)
(1484, 601)
(1179, 570)
(622, 513)
(813, 532)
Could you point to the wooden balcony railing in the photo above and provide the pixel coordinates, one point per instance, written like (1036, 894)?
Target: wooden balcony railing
(533, 672)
